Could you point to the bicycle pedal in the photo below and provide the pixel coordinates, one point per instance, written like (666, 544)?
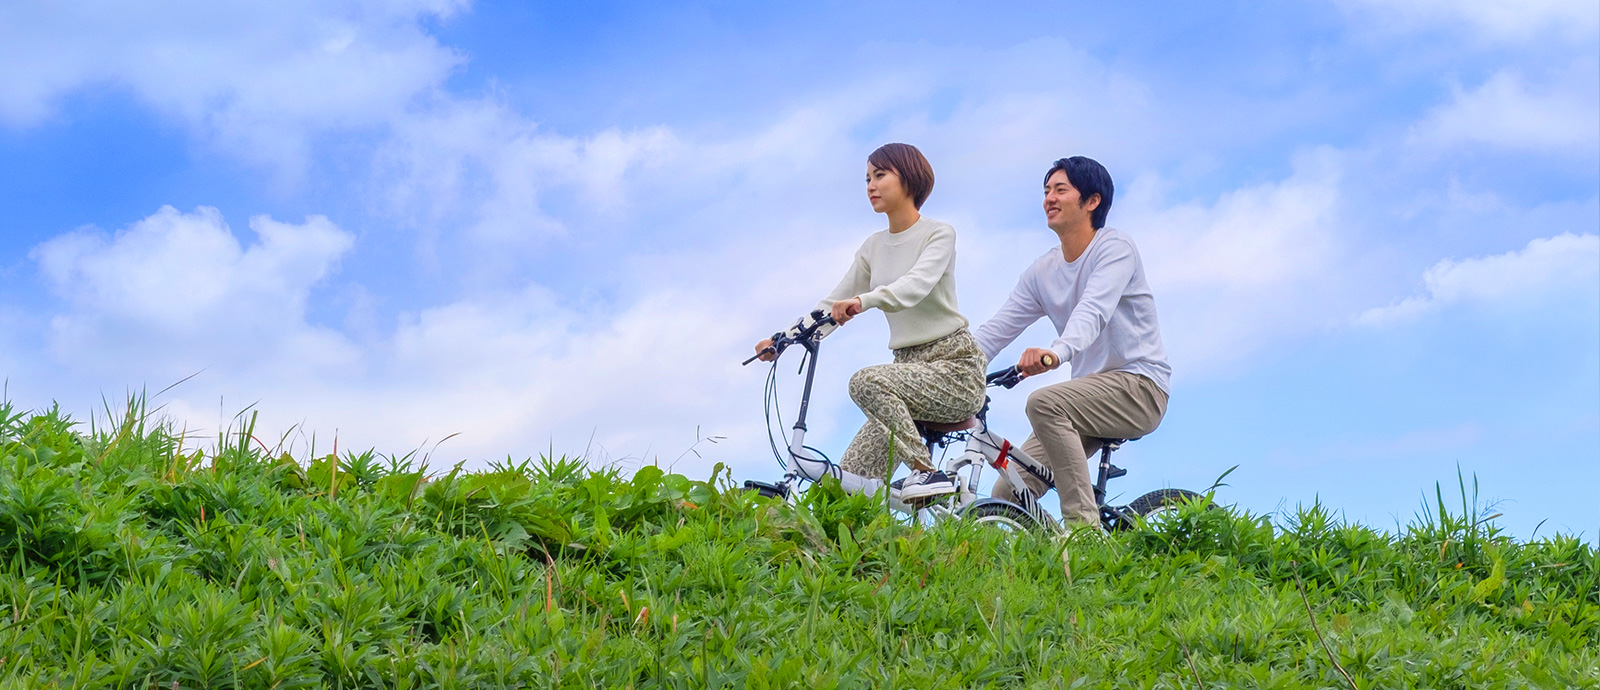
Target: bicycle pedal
(765, 489)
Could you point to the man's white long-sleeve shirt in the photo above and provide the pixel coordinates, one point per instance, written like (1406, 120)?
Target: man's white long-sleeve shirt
(1100, 305)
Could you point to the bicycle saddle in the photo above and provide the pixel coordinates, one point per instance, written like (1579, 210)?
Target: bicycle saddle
(943, 428)
(1114, 442)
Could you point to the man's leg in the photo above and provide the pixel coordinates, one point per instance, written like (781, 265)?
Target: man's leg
(1107, 405)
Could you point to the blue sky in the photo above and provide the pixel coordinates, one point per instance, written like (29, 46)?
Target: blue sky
(1371, 226)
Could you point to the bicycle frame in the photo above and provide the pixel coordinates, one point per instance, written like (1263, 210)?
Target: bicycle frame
(803, 465)
(986, 447)
(983, 447)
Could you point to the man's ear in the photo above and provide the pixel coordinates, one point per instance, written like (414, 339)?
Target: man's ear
(1091, 203)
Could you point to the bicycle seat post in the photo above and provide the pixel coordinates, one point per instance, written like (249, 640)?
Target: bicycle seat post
(1107, 471)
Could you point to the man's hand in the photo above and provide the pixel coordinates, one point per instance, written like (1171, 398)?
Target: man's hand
(1037, 361)
(846, 309)
(764, 351)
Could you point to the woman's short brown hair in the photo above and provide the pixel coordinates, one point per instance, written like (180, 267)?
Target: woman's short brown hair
(912, 167)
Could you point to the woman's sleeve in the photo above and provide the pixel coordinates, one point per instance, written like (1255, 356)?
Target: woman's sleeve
(856, 280)
(907, 290)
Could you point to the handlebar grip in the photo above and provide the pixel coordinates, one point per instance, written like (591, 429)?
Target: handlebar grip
(781, 339)
(1048, 360)
(757, 356)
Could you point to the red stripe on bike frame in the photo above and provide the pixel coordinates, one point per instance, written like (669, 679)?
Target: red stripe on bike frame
(1001, 461)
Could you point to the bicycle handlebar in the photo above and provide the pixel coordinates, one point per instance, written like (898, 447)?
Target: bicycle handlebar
(1005, 378)
(1009, 377)
(781, 340)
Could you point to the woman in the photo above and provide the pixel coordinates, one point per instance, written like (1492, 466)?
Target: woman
(908, 272)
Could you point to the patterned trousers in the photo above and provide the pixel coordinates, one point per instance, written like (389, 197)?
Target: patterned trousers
(938, 381)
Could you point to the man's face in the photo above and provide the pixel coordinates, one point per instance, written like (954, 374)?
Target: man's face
(1062, 206)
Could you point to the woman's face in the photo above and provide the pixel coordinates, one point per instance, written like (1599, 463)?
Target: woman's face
(884, 190)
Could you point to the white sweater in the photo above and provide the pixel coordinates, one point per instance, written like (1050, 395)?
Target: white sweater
(911, 277)
(1100, 305)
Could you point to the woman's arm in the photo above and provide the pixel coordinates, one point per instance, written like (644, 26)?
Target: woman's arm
(856, 280)
(907, 290)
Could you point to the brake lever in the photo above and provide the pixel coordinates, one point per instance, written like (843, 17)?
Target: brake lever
(1006, 378)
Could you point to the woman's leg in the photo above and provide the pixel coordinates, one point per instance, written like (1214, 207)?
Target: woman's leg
(880, 391)
(868, 454)
(941, 381)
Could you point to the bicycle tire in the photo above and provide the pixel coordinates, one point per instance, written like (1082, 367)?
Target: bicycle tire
(1004, 515)
(1162, 500)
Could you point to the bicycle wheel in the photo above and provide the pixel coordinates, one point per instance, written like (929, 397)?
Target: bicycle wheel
(1003, 515)
(1153, 504)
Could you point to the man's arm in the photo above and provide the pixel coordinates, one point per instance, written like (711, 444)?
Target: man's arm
(1021, 309)
(1108, 281)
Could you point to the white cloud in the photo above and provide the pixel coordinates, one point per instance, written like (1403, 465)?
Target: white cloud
(708, 240)
(176, 291)
(258, 80)
(1507, 112)
(1566, 264)
(479, 166)
(1252, 267)
(1498, 20)
(740, 232)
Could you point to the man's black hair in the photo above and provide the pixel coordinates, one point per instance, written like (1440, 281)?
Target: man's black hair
(1089, 177)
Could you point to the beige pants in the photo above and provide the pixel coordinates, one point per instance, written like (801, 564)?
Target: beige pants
(1067, 416)
(939, 381)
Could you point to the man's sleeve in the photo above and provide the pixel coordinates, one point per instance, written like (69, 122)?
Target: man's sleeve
(1021, 309)
(1108, 281)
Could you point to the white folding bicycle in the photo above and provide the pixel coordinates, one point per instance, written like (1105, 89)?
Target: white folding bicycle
(1018, 511)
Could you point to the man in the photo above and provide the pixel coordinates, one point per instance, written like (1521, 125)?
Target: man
(1093, 289)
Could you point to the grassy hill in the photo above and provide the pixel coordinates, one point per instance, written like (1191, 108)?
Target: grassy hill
(132, 561)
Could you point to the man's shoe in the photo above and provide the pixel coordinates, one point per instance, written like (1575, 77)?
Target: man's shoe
(924, 484)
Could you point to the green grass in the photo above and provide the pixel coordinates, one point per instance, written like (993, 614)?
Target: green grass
(130, 561)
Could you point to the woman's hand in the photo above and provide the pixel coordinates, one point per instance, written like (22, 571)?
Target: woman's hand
(764, 351)
(846, 309)
(1037, 361)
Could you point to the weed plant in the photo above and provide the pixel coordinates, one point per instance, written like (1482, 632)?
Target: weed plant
(131, 561)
